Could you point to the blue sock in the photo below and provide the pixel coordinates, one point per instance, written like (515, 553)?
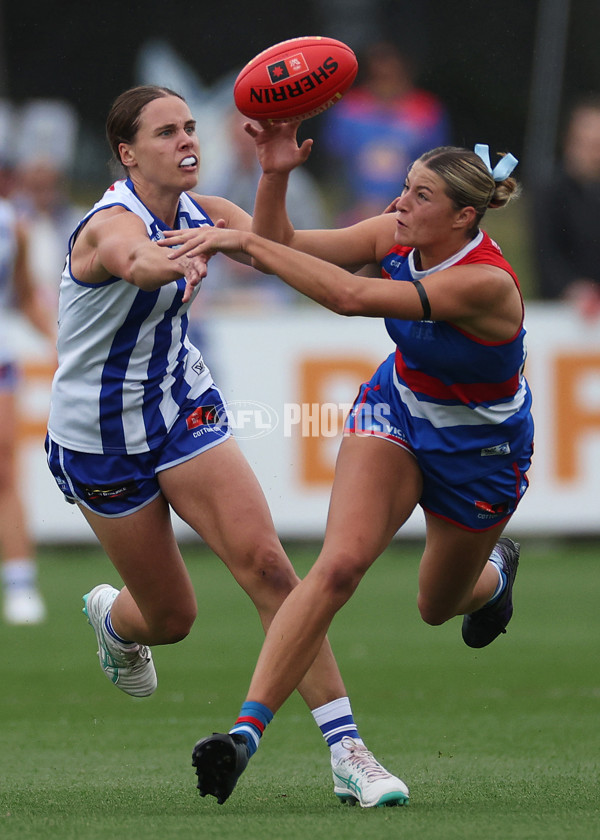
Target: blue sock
(251, 722)
(335, 720)
(112, 632)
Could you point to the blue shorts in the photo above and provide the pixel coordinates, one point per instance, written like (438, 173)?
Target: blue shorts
(117, 485)
(461, 487)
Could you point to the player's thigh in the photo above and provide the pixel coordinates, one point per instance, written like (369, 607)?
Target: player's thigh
(377, 486)
(143, 549)
(451, 565)
(219, 496)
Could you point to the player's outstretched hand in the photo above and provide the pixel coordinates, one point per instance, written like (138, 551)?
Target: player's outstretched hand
(277, 146)
(202, 242)
(193, 269)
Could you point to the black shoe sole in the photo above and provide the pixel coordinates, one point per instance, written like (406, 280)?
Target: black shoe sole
(219, 761)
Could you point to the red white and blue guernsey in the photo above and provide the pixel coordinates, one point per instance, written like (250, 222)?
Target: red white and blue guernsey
(125, 364)
(460, 404)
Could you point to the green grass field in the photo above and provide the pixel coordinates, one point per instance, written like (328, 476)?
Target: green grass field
(501, 743)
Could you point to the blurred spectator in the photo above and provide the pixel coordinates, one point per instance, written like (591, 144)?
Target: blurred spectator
(22, 602)
(7, 177)
(7, 163)
(43, 203)
(566, 216)
(48, 129)
(44, 141)
(380, 126)
(37, 142)
(236, 177)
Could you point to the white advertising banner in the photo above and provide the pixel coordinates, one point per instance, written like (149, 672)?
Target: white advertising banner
(289, 378)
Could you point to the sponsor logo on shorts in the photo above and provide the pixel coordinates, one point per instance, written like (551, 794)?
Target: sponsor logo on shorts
(204, 430)
(492, 510)
(204, 415)
(499, 449)
(109, 494)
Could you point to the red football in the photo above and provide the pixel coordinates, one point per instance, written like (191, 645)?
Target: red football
(295, 79)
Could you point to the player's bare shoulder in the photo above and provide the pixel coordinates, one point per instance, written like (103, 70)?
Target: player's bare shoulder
(221, 208)
(103, 222)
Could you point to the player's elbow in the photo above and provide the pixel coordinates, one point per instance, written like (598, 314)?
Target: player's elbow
(346, 300)
(144, 270)
(136, 277)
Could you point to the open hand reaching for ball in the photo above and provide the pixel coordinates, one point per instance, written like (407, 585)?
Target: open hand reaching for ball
(277, 147)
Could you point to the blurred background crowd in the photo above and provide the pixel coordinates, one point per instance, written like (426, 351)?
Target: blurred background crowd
(522, 77)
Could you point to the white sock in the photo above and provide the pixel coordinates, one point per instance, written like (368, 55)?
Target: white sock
(496, 561)
(19, 573)
(335, 720)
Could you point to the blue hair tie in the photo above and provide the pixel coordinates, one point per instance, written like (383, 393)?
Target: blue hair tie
(503, 168)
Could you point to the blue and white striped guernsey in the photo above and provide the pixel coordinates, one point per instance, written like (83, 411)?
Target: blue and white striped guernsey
(125, 364)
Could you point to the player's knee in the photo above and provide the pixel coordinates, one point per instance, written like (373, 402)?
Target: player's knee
(175, 625)
(432, 613)
(339, 578)
(268, 568)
